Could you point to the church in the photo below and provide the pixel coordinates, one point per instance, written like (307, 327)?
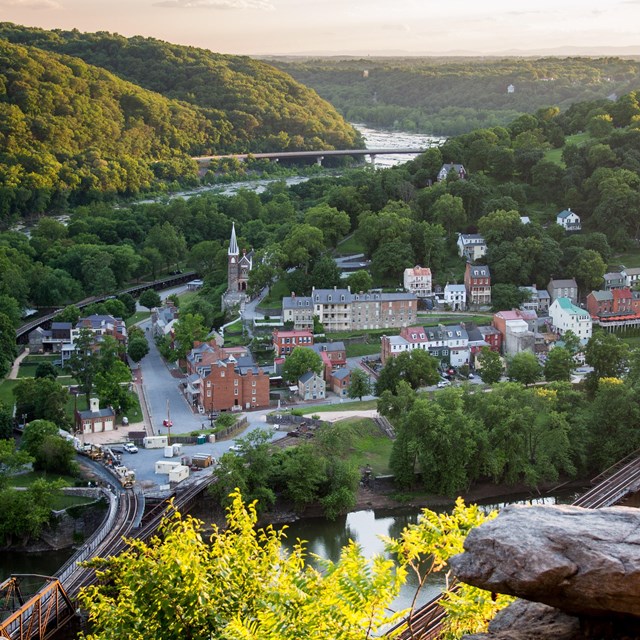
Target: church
(238, 269)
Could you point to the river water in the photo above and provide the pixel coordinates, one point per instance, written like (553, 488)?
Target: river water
(325, 538)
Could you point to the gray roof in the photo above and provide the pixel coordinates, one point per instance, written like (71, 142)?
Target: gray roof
(341, 373)
(613, 275)
(101, 413)
(479, 271)
(601, 296)
(633, 271)
(341, 296)
(328, 346)
(566, 213)
(556, 284)
(66, 326)
(305, 377)
(471, 238)
(451, 288)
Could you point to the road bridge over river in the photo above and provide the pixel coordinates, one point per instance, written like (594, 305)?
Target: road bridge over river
(317, 156)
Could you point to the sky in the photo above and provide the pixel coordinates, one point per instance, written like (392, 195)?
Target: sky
(352, 27)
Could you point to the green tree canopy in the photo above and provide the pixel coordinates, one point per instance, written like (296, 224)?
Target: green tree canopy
(301, 360)
(524, 368)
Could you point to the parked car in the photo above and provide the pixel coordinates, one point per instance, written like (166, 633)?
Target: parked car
(443, 383)
(471, 376)
(235, 447)
(129, 447)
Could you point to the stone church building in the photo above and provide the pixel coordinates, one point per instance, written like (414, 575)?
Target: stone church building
(238, 268)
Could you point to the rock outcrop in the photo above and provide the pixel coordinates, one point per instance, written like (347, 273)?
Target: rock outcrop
(582, 561)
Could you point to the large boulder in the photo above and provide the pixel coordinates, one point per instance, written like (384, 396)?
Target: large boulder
(585, 562)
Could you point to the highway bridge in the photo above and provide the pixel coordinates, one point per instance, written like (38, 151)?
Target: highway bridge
(317, 156)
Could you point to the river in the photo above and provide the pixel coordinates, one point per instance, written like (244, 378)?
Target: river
(326, 538)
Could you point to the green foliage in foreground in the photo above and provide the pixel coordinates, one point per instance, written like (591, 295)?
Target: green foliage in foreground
(243, 584)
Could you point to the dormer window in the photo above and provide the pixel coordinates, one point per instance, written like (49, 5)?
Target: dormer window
(329, 298)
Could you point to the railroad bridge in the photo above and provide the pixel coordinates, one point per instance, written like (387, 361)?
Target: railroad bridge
(53, 606)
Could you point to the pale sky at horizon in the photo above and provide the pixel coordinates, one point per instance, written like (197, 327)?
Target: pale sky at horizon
(359, 27)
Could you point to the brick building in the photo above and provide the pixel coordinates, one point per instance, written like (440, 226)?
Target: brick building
(477, 282)
(284, 342)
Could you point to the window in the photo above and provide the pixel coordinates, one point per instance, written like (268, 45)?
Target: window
(235, 392)
(222, 374)
(235, 382)
(253, 383)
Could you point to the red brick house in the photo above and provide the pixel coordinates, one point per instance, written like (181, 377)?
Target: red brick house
(622, 300)
(599, 302)
(492, 337)
(229, 386)
(477, 282)
(284, 342)
(341, 381)
(334, 356)
(224, 379)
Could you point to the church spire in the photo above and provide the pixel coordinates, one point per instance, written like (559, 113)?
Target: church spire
(233, 243)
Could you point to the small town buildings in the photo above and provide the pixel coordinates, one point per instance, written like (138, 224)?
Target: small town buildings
(471, 246)
(341, 310)
(417, 280)
(284, 342)
(613, 280)
(538, 300)
(311, 386)
(341, 381)
(334, 357)
(162, 319)
(566, 316)
(94, 419)
(50, 340)
(563, 289)
(455, 296)
(477, 282)
(569, 220)
(448, 343)
(631, 277)
(599, 303)
(492, 337)
(222, 379)
(457, 169)
(101, 325)
(518, 329)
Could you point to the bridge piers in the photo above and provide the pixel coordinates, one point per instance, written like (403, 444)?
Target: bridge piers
(372, 158)
(319, 160)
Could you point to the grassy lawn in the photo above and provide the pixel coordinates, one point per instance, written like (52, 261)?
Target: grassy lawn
(356, 405)
(632, 341)
(360, 349)
(274, 298)
(555, 155)
(6, 392)
(349, 246)
(27, 479)
(369, 445)
(138, 316)
(64, 502)
(628, 259)
(27, 370)
(135, 413)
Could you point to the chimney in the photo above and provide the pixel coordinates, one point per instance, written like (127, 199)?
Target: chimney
(293, 294)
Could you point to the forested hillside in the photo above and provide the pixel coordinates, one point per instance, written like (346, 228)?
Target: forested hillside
(445, 96)
(72, 132)
(255, 106)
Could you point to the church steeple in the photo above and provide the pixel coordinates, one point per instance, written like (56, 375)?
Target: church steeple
(233, 243)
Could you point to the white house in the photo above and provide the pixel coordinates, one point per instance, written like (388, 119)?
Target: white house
(417, 280)
(631, 277)
(566, 316)
(455, 295)
(456, 168)
(569, 220)
(311, 386)
(471, 246)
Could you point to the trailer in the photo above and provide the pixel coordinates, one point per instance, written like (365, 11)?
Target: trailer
(179, 473)
(155, 442)
(202, 460)
(163, 467)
